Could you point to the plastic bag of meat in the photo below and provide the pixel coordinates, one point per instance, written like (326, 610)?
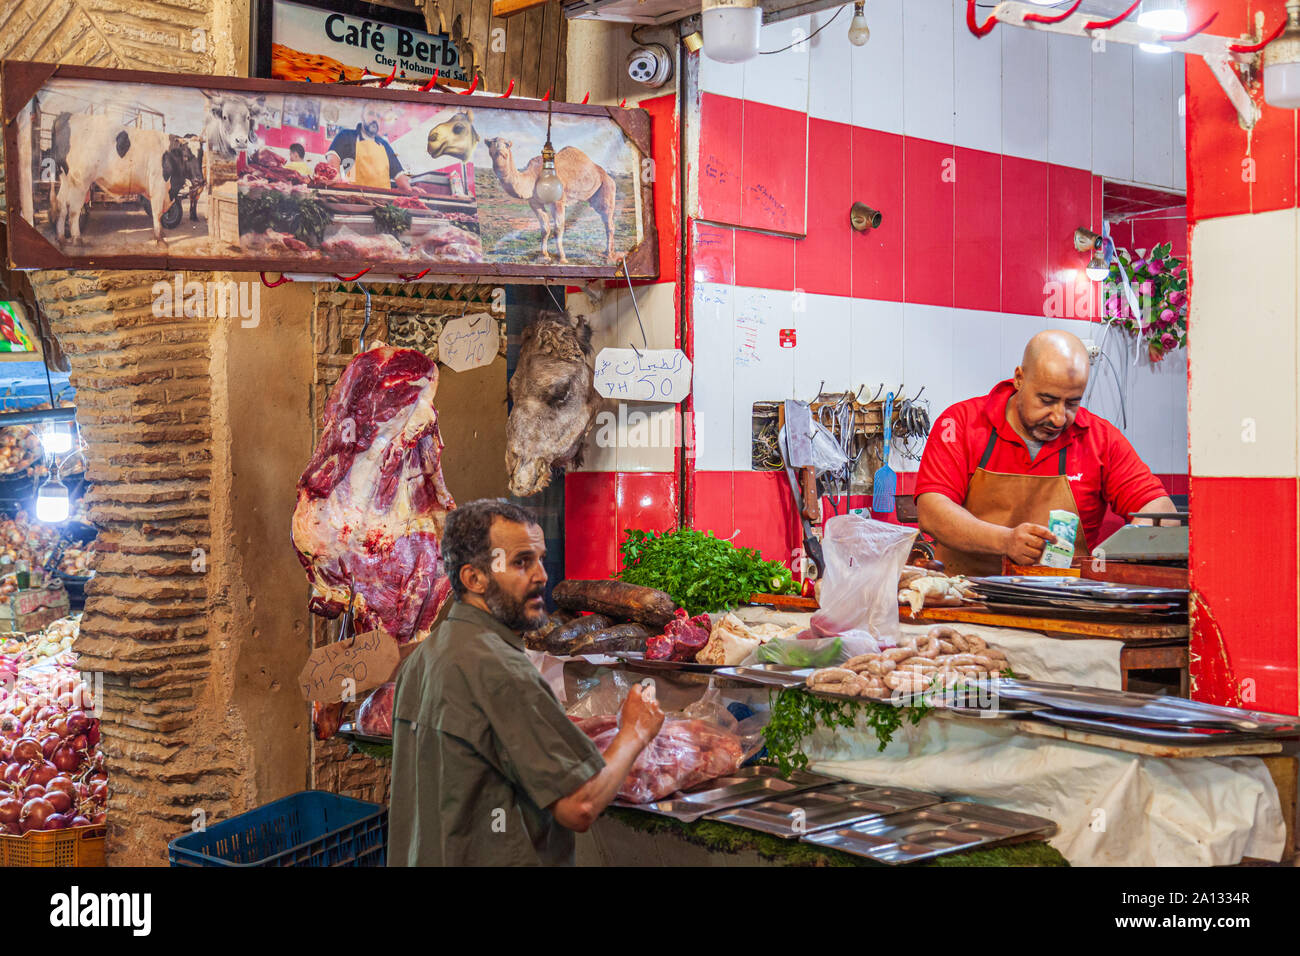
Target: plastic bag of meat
(375, 715)
(684, 753)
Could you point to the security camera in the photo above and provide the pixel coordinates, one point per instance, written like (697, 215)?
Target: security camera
(650, 65)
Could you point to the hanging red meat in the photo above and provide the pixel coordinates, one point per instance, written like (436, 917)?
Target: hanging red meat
(372, 501)
(375, 716)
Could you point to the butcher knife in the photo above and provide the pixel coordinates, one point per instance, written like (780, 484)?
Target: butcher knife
(812, 547)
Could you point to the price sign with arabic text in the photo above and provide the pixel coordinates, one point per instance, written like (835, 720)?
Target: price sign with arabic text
(644, 375)
(470, 341)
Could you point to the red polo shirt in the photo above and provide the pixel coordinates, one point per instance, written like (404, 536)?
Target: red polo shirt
(1101, 465)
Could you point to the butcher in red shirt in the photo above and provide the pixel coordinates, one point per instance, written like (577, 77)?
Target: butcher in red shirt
(994, 466)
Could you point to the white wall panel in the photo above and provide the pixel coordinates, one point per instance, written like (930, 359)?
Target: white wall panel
(875, 87)
(713, 377)
(1243, 316)
(1154, 111)
(830, 67)
(977, 86)
(928, 71)
(1112, 111)
(825, 346)
(763, 371)
(1069, 101)
(781, 79)
(1024, 93)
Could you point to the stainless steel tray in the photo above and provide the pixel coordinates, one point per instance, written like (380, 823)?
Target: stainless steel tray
(1163, 735)
(838, 805)
(1060, 586)
(768, 675)
(933, 831)
(746, 785)
(637, 660)
(1147, 708)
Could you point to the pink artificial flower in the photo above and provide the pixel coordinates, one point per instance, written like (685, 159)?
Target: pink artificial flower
(1168, 341)
(1176, 298)
(1167, 317)
(1146, 288)
(1112, 306)
(1155, 267)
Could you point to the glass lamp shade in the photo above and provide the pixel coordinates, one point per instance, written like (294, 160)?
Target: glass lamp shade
(52, 503)
(731, 33)
(1282, 85)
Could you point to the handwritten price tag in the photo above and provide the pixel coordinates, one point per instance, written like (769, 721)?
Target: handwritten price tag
(470, 341)
(346, 668)
(654, 375)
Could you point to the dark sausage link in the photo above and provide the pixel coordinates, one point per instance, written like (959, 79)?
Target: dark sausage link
(618, 599)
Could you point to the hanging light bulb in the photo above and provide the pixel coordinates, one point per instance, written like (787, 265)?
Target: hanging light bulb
(1166, 16)
(1097, 269)
(859, 33)
(549, 187)
(56, 438)
(1282, 63)
(52, 502)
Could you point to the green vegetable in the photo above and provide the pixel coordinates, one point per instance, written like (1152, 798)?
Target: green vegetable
(391, 218)
(799, 653)
(303, 217)
(796, 713)
(700, 572)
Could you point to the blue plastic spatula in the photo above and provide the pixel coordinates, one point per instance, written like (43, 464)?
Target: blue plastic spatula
(884, 483)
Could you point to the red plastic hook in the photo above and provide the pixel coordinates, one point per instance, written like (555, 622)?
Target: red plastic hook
(623, 104)
(472, 87)
(547, 96)
(1180, 37)
(586, 96)
(1107, 24)
(412, 278)
(989, 24)
(1256, 47)
(388, 79)
(271, 285)
(352, 278)
(509, 89)
(430, 85)
(1042, 18)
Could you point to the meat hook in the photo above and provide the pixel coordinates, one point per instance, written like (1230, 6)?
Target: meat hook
(644, 344)
(366, 323)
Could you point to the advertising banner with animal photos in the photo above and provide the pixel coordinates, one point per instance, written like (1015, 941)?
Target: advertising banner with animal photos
(113, 169)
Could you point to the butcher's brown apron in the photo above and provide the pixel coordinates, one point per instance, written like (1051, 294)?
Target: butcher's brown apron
(370, 167)
(1010, 500)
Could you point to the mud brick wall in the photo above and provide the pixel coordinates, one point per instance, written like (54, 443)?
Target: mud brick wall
(337, 320)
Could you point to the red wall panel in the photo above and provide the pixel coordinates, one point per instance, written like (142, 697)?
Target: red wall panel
(1069, 206)
(719, 185)
(822, 258)
(1024, 241)
(877, 180)
(929, 203)
(764, 260)
(978, 230)
(713, 254)
(1246, 626)
(774, 147)
(600, 505)
(663, 150)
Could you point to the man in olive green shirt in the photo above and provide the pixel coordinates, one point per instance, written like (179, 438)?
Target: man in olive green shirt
(487, 769)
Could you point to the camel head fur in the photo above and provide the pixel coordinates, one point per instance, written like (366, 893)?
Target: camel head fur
(455, 137)
(555, 400)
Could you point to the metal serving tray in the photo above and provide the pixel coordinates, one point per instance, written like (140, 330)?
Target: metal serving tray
(746, 785)
(934, 831)
(768, 675)
(838, 805)
(1150, 734)
(1077, 588)
(637, 659)
(1146, 708)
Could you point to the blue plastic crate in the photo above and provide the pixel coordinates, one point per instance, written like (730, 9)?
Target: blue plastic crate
(311, 828)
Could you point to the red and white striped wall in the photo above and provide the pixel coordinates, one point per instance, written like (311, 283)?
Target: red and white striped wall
(1243, 395)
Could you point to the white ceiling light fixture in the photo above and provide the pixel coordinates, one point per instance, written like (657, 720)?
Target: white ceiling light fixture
(1282, 63)
(859, 33)
(1166, 16)
(52, 502)
(731, 30)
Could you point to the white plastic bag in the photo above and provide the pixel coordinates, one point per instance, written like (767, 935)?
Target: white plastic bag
(859, 596)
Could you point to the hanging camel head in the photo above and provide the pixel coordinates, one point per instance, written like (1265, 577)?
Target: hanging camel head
(554, 399)
(455, 137)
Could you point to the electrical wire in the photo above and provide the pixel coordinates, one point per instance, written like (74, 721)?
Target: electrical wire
(804, 39)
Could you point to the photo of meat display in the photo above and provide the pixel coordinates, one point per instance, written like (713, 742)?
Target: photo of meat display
(331, 181)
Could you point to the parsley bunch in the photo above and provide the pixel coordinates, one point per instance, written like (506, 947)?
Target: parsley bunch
(700, 572)
(796, 713)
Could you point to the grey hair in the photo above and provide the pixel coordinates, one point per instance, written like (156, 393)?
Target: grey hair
(467, 536)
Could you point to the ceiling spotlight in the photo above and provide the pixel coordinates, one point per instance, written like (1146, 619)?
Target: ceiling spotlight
(859, 34)
(1165, 16)
(1282, 63)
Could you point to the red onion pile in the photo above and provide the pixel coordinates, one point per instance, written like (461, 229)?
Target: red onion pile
(51, 771)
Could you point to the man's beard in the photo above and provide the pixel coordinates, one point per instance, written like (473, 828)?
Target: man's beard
(512, 613)
(370, 129)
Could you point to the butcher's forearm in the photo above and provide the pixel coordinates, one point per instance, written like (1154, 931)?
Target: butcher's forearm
(579, 809)
(955, 527)
(1162, 505)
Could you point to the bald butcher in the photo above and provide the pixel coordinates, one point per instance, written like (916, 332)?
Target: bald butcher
(996, 465)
